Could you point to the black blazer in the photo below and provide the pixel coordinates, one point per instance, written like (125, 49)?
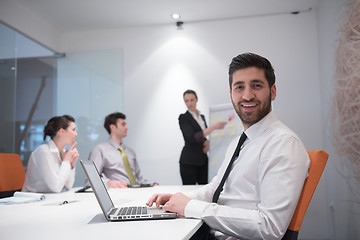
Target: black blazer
(192, 153)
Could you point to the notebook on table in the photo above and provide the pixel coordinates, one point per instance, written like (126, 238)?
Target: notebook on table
(113, 213)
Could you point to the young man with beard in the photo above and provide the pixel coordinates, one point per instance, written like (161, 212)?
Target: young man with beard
(254, 195)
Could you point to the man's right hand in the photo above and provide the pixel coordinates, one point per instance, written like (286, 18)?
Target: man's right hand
(116, 184)
(171, 202)
(159, 199)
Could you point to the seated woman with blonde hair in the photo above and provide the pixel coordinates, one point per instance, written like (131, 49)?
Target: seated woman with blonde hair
(50, 167)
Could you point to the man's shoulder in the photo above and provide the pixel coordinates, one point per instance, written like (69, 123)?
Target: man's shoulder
(102, 146)
(101, 150)
(272, 126)
(279, 128)
(128, 149)
(280, 135)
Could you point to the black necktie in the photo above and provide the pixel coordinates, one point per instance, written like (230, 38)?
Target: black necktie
(228, 169)
(203, 233)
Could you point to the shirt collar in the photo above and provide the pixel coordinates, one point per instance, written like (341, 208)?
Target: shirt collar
(256, 129)
(116, 145)
(194, 113)
(52, 146)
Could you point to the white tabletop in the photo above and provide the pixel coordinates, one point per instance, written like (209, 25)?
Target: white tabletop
(82, 218)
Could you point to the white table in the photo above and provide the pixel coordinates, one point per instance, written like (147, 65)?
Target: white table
(83, 219)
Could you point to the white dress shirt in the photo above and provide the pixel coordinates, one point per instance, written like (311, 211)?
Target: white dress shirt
(263, 188)
(46, 172)
(110, 165)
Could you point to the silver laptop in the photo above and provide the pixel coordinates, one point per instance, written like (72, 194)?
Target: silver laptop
(112, 213)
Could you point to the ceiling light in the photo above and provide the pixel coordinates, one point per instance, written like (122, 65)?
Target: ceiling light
(175, 16)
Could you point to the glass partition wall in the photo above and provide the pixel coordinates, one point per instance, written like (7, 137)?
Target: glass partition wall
(27, 76)
(7, 89)
(35, 102)
(37, 84)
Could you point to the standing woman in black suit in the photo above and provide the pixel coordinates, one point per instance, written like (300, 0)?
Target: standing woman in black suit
(194, 160)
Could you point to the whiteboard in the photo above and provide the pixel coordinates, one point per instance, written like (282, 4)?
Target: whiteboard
(221, 139)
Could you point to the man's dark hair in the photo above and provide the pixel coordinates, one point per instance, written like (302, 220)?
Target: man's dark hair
(246, 60)
(189, 91)
(112, 119)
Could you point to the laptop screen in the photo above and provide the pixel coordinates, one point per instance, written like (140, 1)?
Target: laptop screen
(97, 185)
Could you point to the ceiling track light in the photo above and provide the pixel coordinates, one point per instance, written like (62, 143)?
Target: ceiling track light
(179, 24)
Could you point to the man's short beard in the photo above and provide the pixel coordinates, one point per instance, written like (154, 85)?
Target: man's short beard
(260, 116)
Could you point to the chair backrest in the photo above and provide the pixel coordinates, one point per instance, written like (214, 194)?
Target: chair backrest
(318, 159)
(12, 173)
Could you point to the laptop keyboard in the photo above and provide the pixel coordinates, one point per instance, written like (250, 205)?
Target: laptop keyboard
(132, 211)
(129, 213)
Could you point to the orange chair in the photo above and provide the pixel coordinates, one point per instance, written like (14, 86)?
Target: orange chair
(318, 159)
(12, 174)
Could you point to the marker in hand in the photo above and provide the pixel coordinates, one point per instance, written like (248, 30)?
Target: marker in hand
(231, 117)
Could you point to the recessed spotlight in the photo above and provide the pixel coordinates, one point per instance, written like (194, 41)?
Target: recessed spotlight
(175, 16)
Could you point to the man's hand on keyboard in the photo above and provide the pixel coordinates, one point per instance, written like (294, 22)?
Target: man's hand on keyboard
(177, 203)
(159, 199)
(171, 202)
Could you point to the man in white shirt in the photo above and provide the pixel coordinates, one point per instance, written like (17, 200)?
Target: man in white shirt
(108, 157)
(262, 189)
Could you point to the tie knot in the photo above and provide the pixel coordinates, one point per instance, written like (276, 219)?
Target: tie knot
(120, 149)
(243, 136)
